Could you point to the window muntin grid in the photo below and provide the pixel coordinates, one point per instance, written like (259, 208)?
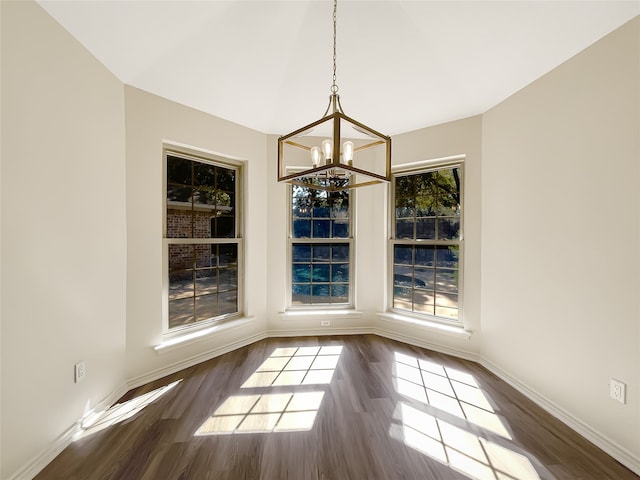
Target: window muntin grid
(320, 247)
(203, 246)
(427, 221)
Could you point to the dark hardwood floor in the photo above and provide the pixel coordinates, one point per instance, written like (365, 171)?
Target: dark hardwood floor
(352, 407)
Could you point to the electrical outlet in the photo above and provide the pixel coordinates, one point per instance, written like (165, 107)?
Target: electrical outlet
(617, 390)
(80, 371)
(325, 323)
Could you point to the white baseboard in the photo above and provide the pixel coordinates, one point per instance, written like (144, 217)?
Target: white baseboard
(44, 458)
(194, 360)
(319, 332)
(621, 454)
(383, 332)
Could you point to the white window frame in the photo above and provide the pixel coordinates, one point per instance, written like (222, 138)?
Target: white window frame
(412, 169)
(220, 161)
(350, 240)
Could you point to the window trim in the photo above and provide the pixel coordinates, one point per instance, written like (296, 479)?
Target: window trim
(220, 161)
(413, 168)
(290, 241)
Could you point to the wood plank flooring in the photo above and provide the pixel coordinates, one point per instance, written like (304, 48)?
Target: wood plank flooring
(347, 407)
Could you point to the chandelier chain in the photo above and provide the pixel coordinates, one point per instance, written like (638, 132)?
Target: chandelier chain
(334, 87)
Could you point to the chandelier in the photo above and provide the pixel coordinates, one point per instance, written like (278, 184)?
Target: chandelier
(336, 152)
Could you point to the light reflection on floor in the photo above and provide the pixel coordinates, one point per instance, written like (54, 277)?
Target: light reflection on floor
(120, 412)
(266, 411)
(274, 412)
(454, 422)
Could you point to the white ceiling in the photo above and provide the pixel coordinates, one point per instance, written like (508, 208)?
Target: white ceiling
(402, 65)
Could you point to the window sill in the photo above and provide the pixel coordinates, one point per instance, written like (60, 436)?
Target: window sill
(429, 325)
(342, 314)
(173, 341)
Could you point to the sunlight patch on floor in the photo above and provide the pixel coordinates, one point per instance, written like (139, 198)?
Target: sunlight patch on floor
(446, 389)
(462, 450)
(296, 366)
(120, 412)
(272, 412)
(282, 401)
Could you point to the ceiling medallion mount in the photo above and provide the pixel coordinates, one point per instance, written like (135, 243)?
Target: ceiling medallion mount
(336, 152)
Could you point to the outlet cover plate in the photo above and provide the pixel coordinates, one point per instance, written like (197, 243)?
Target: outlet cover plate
(80, 369)
(617, 390)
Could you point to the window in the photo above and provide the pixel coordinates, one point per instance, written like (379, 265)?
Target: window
(204, 248)
(427, 222)
(320, 247)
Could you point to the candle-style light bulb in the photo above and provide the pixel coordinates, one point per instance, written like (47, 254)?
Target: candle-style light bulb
(327, 148)
(347, 152)
(315, 156)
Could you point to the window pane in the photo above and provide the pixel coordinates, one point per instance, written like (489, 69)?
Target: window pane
(226, 179)
(320, 293)
(447, 300)
(180, 312)
(228, 279)
(402, 298)
(404, 186)
(180, 257)
(321, 253)
(403, 255)
(301, 229)
(403, 276)
(206, 307)
(426, 228)
(340, 253)
(301, 273)
(204, 174)
(447, 281)
(223, 227)
(301, 294)
(321, 228)
(180, 284)
(179, 193)
(340, 293)
(340, 272)
(227, 254)
(447, 257)
(340, 208)
(448, 205)
(426, 183)
(425, 256)
(301, 253)
(404, 229)
(179, 222)
(405, 208)
(425, 206)
(178, 170)
(449, 228)
(206, 281)
(449, 180)
(424, 277)
(228, 302)
(321, 209)
(301, 208)
(320, 273)
(340, 228)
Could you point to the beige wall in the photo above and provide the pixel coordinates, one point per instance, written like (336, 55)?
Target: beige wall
(560, 235)
(552, 216)
(63, 232)
(150, 121)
